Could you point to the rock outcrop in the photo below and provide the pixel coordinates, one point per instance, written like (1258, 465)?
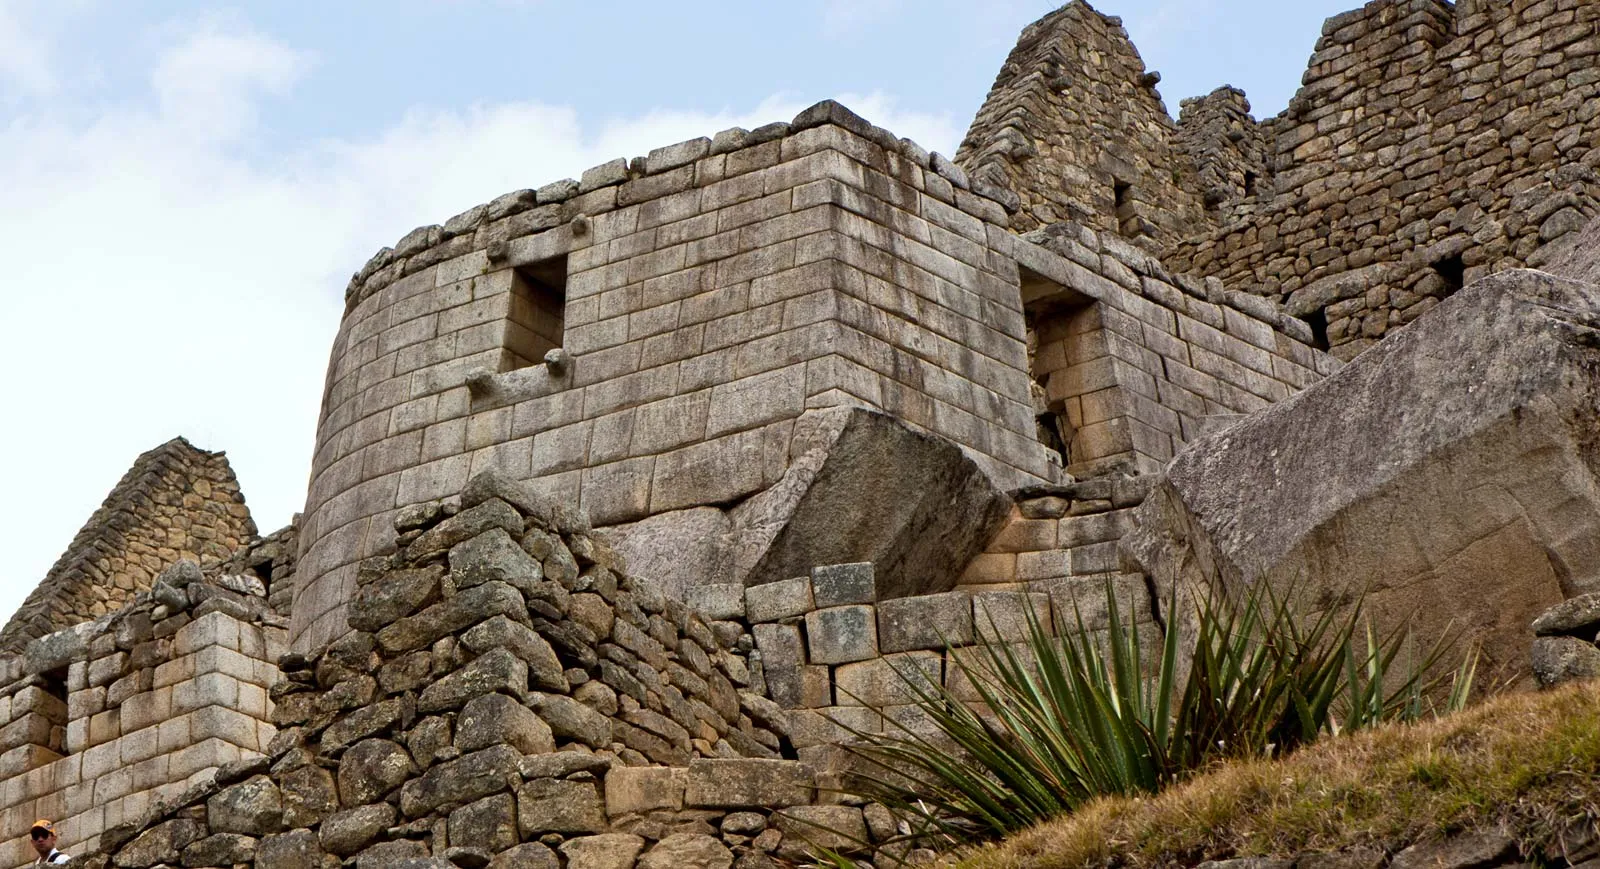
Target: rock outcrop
(1449, 473)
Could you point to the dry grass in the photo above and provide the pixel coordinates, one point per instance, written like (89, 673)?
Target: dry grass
(1529, 762)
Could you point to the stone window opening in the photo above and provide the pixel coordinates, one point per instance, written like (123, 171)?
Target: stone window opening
(1318, 321)
(1122, 198)
(1453, 271)
(538, 303)
(1250, 183)
(54, 683)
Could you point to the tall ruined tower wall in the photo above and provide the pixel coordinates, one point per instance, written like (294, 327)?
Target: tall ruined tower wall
(176, 502)
(1074, 129)
(1430, 144)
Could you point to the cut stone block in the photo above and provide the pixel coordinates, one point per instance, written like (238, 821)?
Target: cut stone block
(840, 635)
(640, 789)
(1003, 615)
(841, 584)
(931, 621)
(892, 680)
(863, 487)
(748, 783)
(775, 601)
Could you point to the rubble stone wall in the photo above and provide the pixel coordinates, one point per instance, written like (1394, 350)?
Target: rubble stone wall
(1430, 145)
(176, 502)
(509, 693)
(1073, 130)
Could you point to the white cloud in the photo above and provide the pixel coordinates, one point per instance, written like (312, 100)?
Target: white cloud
(163, 280)
(207, 83)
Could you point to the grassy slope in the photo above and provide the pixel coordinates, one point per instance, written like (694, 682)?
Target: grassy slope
(1528, 761)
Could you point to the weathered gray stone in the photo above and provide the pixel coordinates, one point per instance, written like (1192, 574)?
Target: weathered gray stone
(309, 795)
(252, 808)
(839, 635)
(494, 555)
(843, 584)
(564, 763)
(687, 851)
(469, 523)
(1579, 616)
(489, 823)
(569, 719)
(605, 851)
(364, 722)
(295, 849)
(1462, 851)
(161, 843)
(347, 832)
(892, 680)
(1564, 659)
(496, 718)
(556, 806)
(221, 849)
(806, 828)
(748, 783)
(492, 483)
(868, 489)
(401, 593)
(632, 790)
(393, 855)
(679, 549)
(462, 780)
(925, 622)
(446, 617)
(544, 668)
(775, 601)
(371, 769)
(496, 670)
(528, 855)
(1476, 487)
(463, 857)
(717, 602)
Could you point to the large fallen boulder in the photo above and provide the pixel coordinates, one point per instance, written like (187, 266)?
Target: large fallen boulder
(1449, 472)
(860, 486)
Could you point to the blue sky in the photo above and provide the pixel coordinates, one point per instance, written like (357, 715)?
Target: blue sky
(186, 186)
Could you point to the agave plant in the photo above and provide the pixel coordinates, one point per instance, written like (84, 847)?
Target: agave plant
(1070, 715)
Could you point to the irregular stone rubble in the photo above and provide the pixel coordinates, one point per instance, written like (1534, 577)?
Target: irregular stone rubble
(511, 694)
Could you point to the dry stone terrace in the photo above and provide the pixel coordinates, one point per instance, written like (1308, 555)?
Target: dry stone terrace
(636, 496)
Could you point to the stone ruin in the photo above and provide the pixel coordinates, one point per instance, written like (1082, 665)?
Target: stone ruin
(635, 496)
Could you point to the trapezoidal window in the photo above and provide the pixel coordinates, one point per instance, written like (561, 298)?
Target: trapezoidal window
(1453, 271)
(538, 300)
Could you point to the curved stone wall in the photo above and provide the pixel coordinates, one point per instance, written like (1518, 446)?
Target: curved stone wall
(703, 298)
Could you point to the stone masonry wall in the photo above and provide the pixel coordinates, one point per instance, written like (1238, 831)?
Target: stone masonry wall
(510, 696)
(1133, 363)
(1073, 129)
(719, 291)
(1429, 146)
(176, 502)
(714, 291)
(106, 721)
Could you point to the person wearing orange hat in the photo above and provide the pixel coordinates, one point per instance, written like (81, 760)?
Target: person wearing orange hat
(44, 842)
